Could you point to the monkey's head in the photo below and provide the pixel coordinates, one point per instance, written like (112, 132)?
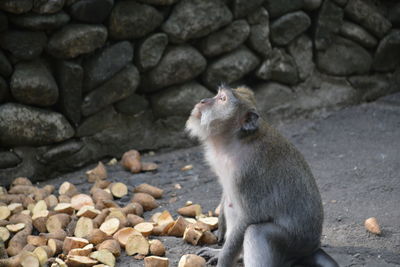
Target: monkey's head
(232, 112)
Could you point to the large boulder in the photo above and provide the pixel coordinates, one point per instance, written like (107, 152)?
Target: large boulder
(358, 34)
(132, 105)
(329, 22)
(159, 2)
(5, 66)
(123, 84)
(32, 83)
(191, 19)
(369, 17)
(301, 50)
(226, 39)
(37, 22)
(178, 100)
(22, 125)
(387, 56)
(16, 6)
(289, 26)
(76, 39)
(371, 87)
(242, 8)
(230, 67)
(47, 6)
(3, 22)
(394, 14)
(279, 67)
(3, 90)
(178, 65)
(277, 8)
(149, 52)
(8, 159)
(130, 20)
(102, 65)
(83, 10)
(272, 96)
(344, 57)
(69, 78)
(259, 32)
(25, 45)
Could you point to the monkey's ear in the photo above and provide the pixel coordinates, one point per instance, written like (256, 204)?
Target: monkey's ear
(250, 121)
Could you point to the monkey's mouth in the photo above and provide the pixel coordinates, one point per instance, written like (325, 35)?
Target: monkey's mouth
(196, 113)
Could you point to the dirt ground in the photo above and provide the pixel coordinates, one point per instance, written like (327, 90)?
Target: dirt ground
(355, 156)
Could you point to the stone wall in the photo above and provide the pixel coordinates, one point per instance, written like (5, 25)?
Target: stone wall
(88, 79)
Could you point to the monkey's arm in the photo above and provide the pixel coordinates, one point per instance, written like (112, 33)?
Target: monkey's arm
(232, 247)
(221, 222)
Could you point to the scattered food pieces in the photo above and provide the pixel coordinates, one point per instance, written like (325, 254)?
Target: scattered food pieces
(149, 189)
(372, 225)
(155, 261)
(98, 173)
(149, 166)
(187, 167)
(177, 186)
(190, 211)
(131, 161)
(191, 260)
(112, 162)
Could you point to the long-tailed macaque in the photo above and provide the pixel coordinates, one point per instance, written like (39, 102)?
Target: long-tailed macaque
(271, 207)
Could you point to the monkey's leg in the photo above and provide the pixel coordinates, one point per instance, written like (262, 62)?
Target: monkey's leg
(221, 223)
(232, 247)
(265, 244)
(318, 259)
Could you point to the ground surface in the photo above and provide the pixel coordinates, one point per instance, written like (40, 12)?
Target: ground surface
(355, 156)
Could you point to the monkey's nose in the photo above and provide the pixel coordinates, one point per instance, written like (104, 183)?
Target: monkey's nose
(205, 100)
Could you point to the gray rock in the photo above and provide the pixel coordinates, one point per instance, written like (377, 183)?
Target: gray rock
(123, 84)
(394, 14)
(371, 87)
(61, 151)
(8, 159)
(368, 17)
(289, 26)
(76, 39)
(47, 6)
(258, 17)
(259, 32)
(344, 57)
(358, 34)
(37, 22)
(149, 52)
(23, 44)
(230, 68)
(329, 22)
(301, 49)
(69, 78)
(159, 2)
(279, 67)
(310, 5)
(83, 10)
(3, 90)
(272, 96)
(226, 39)
(132, 105)
(178, 100)
(191, 19)
(130, 20)
(178, 65)
(22, 125)
(277, 8)
(341, 2)
(3, 22)
(32, 83)
(5, 66)
(97, 122)
(242, 8)
(16, 6)
(387, 55)
(104, 64)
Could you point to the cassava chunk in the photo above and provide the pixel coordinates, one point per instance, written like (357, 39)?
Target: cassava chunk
(149, 166)
(208, 238)
(85, 251)
(19, 240)
(73, 242)
(192, 235)
(15, 227)
(97, 236)
(111, 245)
(99, 219)
(36, 240)
(68, 189)
(42, 253)
(144, 228)
(123, 235)
(21, 181)
(57, 222)
(190, 211)
(51, 201)
(58, 234)
(147, 201)
(137, 244)
(131, 161)
(133, 219)
(88, 211)
(164, 218)
(110, 226)
(4, 212)
(372, 225)
(84, 227)
(98, 173)
(104, 256)
(191, 260)
(39, 220)
(212, 222)
(178, 228)
(40, 205)
(119, 190)
(149, 189)
(157, 248)
(155, 261)
(64, 208)
(55, 245)
(4, 233)
(80, 200)
(80, 261)
(15, 208)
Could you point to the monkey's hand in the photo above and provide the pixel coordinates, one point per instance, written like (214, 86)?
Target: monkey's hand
(209, 254)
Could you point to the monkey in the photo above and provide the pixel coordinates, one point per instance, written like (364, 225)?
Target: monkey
(271, 208)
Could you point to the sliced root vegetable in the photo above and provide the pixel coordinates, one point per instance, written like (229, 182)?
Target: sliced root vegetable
(164, 218)
(212, 222)
(64, 199)
(36, 240)
(80, 200)
(15, 208)
(155, 261)
(21, 181)
(162, 229)
(157, 248)
(18, 241)
(68, 189)
(99, 219)
(208, 238)
(73, 242)
(191, 260)
(80, 261)
(64, 208)
(178, 228)
(131, 161)
(137, 244)
(149, 166)
(117, 213)
(187, 167)
(144, 228)
(97, 236)
(42, 253)
(101, 184)
(154, 217)
(85, 251)
(6, 198)
(130, 208)
(51, 201)
(4, 233)
(84, 227)
(132, 220)
(149, 189)
(147, 201)
(190, 211)
(39, 220)
(98, 173)
(119, 190)
(15, 227)
(139, 208)
(29, 259)
(40, 205)
(192, 235)
(104, 256)
(123, 235)
(58, 234)
(100, 195)
(5, 212)
(110, 226)
(111, 245)
(55, 245)
(372, 225)
(57, 222)
(88, 211)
